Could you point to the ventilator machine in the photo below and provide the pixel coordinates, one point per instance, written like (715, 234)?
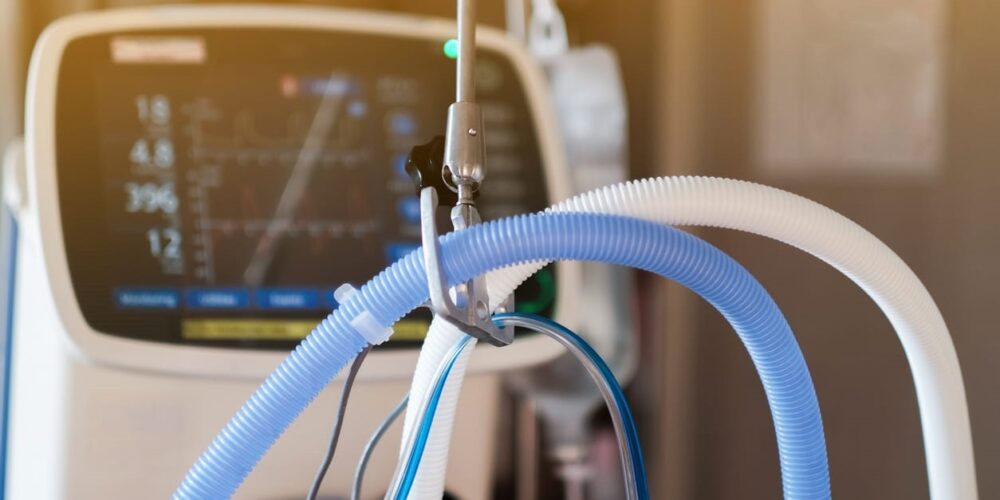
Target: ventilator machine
(243, 241)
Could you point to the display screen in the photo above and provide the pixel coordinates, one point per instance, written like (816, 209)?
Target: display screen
(217, 185)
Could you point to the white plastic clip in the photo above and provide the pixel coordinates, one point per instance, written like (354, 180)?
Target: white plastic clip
(547, 29)
(365, 322)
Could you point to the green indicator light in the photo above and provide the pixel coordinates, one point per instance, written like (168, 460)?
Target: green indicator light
(546, 294)
(451, 48)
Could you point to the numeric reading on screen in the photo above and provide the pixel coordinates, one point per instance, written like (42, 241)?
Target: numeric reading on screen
(164, 243)
(151, 197)
(151, 188)
(153, 110)
(161, 156)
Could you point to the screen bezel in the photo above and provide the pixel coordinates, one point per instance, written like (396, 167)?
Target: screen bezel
(187, 359)
(90, 77)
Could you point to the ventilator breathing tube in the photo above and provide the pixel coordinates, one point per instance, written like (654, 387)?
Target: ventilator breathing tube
(625, 241)
(797, 221)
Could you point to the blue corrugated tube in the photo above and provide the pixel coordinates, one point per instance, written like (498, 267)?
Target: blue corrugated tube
(603, 238)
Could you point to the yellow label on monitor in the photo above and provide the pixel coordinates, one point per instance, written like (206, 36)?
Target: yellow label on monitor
(278, 329)
(410, 329)
(246, 329)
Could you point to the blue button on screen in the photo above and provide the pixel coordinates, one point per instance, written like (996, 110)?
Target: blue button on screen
(218, 298)
(147, 298)
(287, 298)
(357, 108)
(399, 166)
(409, 209)
(329, 301)
(402, 124)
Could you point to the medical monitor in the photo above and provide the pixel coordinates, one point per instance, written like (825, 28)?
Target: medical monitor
(212, 181)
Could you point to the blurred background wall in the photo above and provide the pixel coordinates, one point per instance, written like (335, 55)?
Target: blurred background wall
(885, 110)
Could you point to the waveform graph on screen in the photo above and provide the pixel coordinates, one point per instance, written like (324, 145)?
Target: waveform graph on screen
(273, 191)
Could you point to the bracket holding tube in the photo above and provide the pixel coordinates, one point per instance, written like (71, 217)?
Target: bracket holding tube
(463, 158)
(471, 314)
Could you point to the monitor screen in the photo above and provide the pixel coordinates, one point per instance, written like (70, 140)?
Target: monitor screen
(216, 185)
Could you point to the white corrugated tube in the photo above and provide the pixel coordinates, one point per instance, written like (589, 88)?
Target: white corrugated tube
(786, 217)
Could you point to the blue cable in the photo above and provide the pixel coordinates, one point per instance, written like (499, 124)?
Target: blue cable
(424, 431)
(10, 227)
(618, 404)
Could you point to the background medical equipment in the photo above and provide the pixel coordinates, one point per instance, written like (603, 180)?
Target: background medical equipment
(188, 181)
(590, 104)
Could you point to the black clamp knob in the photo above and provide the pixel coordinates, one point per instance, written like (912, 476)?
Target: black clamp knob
(425, 165)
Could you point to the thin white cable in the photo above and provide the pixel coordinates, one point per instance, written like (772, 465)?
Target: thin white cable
(797, 221)
(514, 13)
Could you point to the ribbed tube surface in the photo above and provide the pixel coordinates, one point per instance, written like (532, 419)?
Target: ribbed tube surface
(809, 226)
(429, 483)
(624, 241)
(859, 255)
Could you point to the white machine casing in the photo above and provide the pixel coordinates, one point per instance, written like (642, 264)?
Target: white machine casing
(98, 416)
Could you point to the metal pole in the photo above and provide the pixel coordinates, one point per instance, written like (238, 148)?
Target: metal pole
(464, 154)
(466, 84)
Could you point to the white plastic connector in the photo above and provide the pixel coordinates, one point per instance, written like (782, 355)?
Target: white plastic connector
(344, 292)
(364, 323)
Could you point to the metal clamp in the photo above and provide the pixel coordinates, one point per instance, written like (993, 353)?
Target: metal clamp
(471, 314)
(464, 160)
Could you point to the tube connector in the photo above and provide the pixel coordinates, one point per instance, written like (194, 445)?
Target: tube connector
(364, 323)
